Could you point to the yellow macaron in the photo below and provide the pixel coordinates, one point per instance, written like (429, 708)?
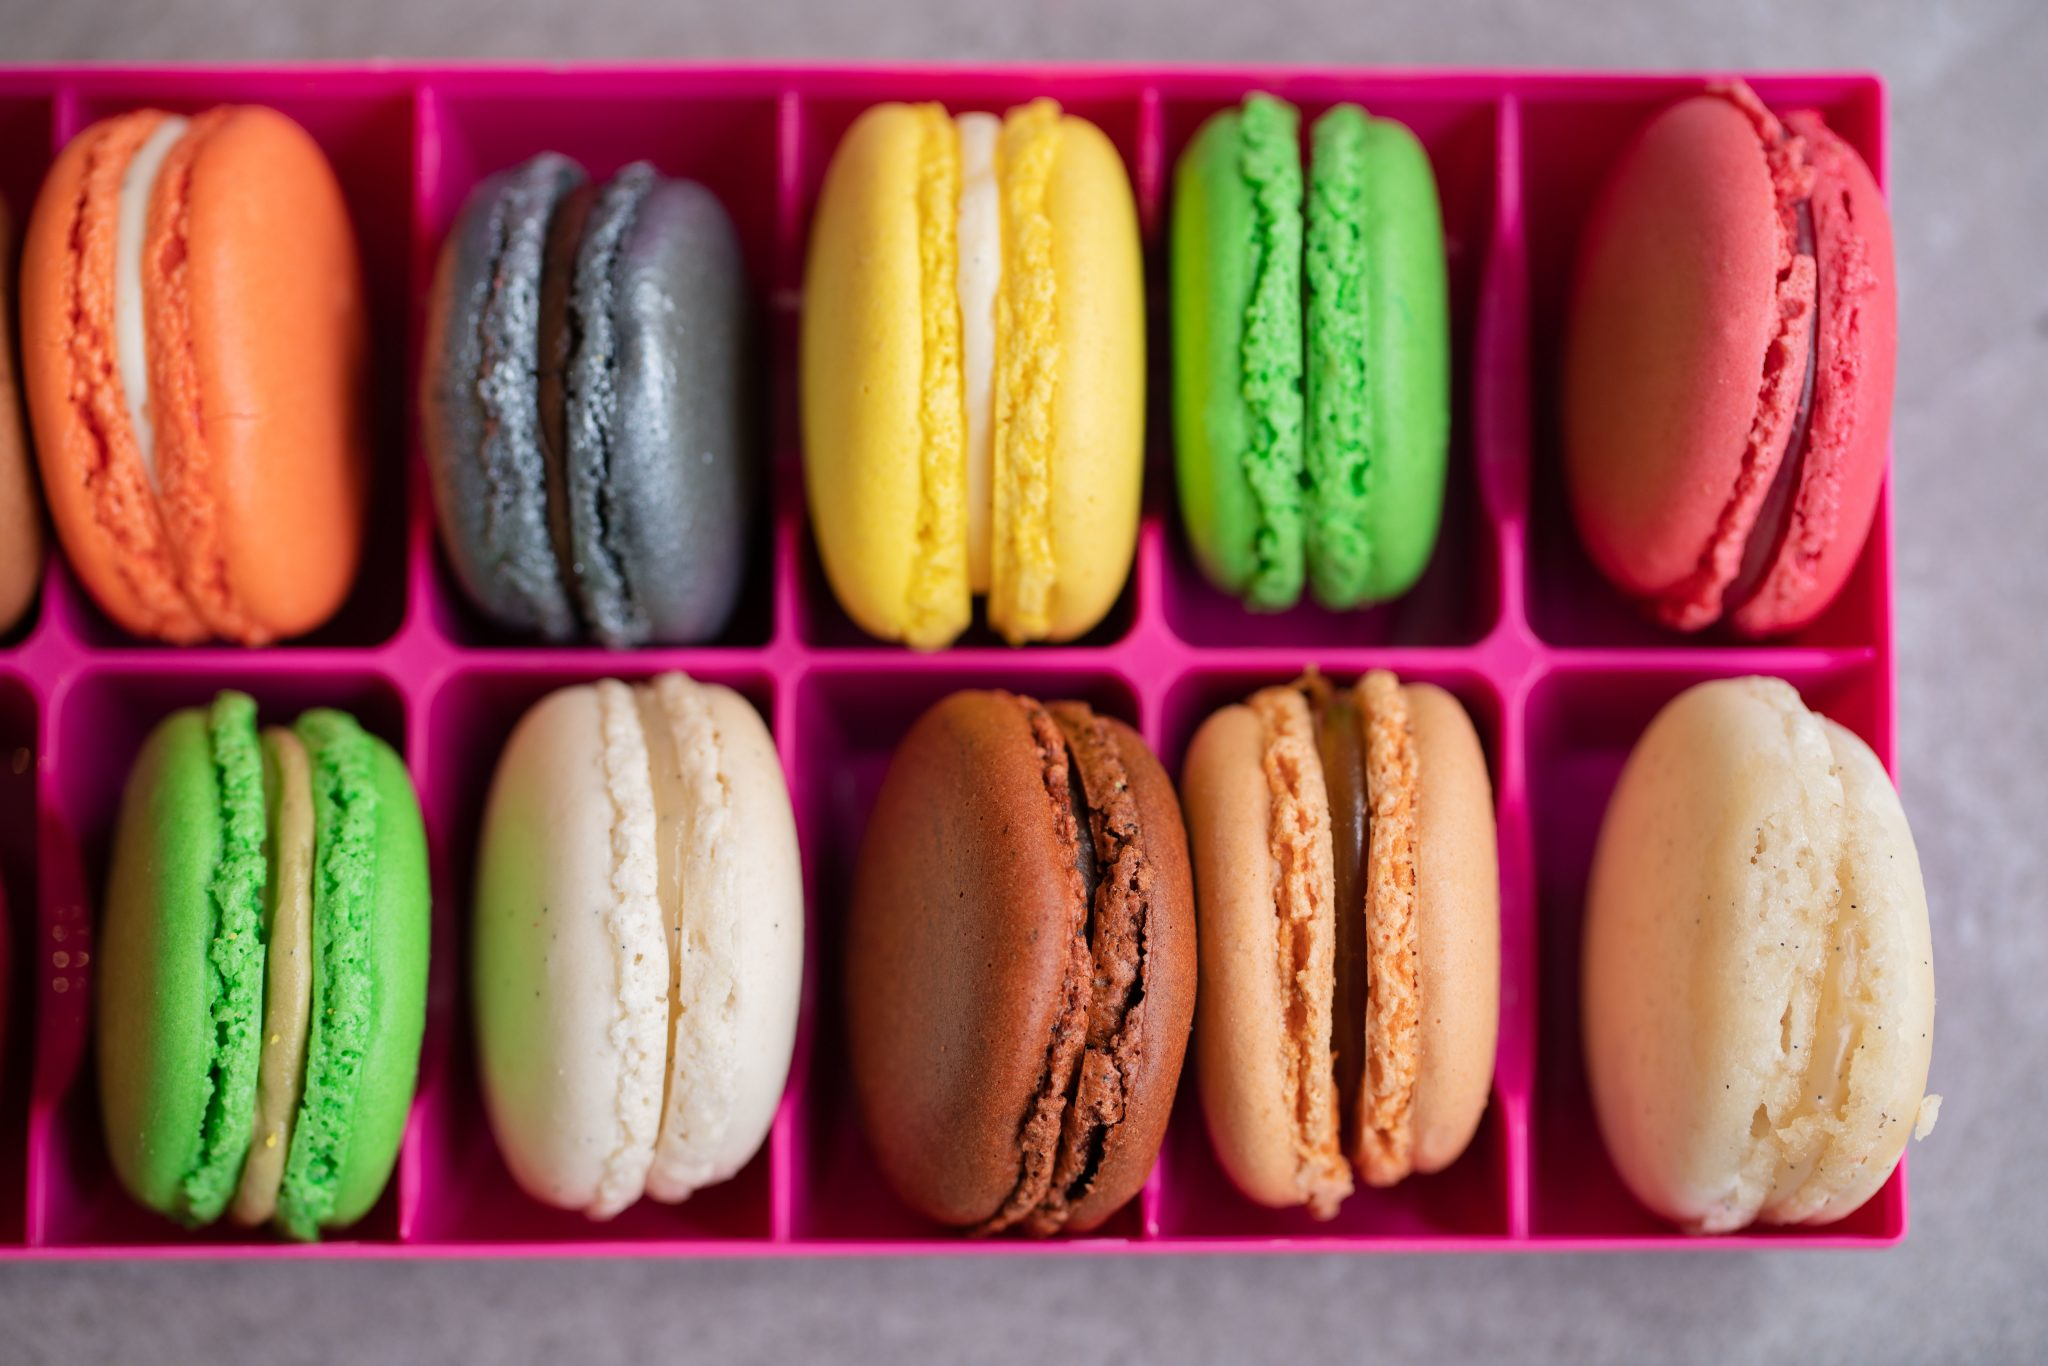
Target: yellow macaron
(974, 373)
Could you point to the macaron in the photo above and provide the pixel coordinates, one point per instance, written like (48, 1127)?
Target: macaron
(1728, 359)
(1020, 964)
(21, 518)
(973, 360)
(262, 969)
(585, 405)
(194, 349)
(1758, 988)
(1346, 873)
(1311, 355)
(638, 942)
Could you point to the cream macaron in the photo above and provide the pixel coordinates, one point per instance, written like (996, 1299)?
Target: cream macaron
(1349, 902)
(1758, 990)
(638, 942)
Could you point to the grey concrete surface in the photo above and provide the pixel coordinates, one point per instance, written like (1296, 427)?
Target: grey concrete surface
(1971, 1284)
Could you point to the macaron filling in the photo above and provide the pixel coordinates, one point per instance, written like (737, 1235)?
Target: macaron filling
(234, 960)
(1269, 158)
(1749, 535)
(138, 184)
(123, 489)
(345, 829)
(288, 973)
(1305, 933)
(1099, 1035)
(980, 271)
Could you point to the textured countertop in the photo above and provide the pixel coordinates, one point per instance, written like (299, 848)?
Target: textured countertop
(1969, 177)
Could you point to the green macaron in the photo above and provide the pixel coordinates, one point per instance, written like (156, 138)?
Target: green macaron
(203, 883)
(1311, 355)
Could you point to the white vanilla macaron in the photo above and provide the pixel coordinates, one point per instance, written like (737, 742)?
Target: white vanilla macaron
(1759, 988)
(638, 942)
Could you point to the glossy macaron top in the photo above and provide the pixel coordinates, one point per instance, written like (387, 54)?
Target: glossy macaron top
(210, 262)
(1758, 982)
(912, 518)
(1020, 964)
(586, 404)
(21, 518)
(1311, 367)
(1728, 366)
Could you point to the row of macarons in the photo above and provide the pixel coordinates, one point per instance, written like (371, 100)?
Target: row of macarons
(973, 376)
(1039, 923)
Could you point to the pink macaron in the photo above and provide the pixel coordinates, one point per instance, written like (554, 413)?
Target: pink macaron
(1728, 366)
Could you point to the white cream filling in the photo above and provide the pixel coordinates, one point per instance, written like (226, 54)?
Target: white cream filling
(131, 222)
(979, 272)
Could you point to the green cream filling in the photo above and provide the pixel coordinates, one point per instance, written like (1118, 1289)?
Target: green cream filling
(1269, 157)
(1339, 453)
(234, 959)
(345, 821)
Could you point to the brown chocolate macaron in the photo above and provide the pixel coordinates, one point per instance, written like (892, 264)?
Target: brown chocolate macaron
(1350, 928)
(1020, 964)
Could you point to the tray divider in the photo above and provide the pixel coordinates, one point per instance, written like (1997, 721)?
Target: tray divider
(786, 1187)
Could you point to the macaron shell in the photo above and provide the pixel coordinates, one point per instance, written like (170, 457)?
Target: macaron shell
(370, 927)
(1672, 311)
(100, 504)
(1407, 381)
(1847, 441)
(957, 953)
(679, 476)
(743, 932)
(1457, 928)
(568, 965)
(1739, 848)
(184, 911)
(1098, 415)
(21, 518)
(480, 418)
(1243, 1005)
(862, 379)
(279, 357)
(1246, 534)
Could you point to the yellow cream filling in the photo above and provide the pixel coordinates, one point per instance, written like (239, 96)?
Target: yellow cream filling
(937, 595)
(1027, 358)
(288, 975)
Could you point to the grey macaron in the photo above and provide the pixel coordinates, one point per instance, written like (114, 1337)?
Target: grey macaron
(585, 405)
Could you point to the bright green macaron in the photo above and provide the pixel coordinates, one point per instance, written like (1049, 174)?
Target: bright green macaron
(1311, 355)
(262, 969)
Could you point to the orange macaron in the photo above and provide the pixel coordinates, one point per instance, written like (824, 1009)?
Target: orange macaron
(21, 526)
(194, 351)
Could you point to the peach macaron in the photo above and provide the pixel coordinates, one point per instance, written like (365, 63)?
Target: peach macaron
(193, 350)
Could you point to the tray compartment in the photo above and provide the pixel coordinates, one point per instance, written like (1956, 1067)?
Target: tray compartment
(1581, 727)
(98, 723)
(464, 1194)
(724, 134)
(1473, 1197)
(849, 722)
(1571, 136)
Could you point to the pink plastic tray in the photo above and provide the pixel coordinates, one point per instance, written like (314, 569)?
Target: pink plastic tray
(1558, 673)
